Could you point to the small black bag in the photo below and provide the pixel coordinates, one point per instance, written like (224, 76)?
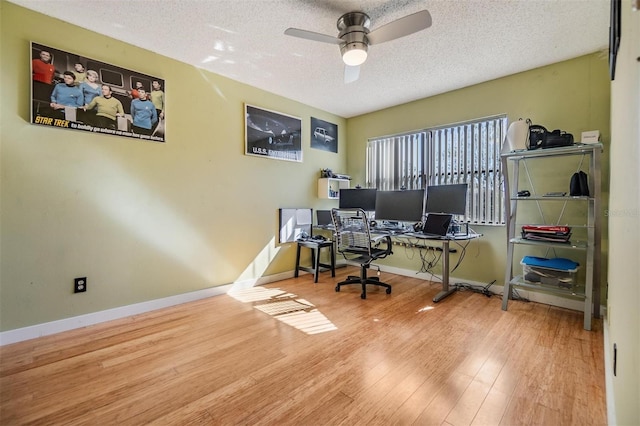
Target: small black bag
(540, 137)
(579, 184)
(557, 138)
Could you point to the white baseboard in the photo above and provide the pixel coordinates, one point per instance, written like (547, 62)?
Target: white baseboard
(53, 327)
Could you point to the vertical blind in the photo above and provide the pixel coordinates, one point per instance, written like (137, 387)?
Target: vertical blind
(466, 152)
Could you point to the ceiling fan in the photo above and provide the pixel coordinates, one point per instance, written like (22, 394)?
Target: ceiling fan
(355, 37)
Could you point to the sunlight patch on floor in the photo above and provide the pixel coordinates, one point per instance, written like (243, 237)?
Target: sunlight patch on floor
(312, 322)
(285, 307)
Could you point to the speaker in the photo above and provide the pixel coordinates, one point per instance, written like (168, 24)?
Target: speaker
(579, 184)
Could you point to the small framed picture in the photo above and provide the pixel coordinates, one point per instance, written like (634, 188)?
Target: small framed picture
(324, 135)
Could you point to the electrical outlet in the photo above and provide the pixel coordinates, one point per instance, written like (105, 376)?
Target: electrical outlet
(80, 285)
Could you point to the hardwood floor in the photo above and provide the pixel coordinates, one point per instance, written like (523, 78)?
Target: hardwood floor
(394, 359)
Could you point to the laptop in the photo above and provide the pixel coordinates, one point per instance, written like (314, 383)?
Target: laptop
(436, 226)
(324, 218)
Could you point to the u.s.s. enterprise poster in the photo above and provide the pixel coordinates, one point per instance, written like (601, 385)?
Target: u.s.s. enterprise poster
(272, 134)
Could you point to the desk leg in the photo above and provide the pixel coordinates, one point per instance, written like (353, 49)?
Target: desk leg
(446, 291)
(333, 260)
(315, 256)
(297, 261)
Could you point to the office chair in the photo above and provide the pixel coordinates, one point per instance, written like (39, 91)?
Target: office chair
(353, 241)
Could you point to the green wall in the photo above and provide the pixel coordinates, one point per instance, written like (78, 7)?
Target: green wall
(571, 95)
(141, 220)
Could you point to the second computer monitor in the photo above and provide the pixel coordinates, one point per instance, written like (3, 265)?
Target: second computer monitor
(401, 206)
(323, 217)
(363, 198)
(450, 199)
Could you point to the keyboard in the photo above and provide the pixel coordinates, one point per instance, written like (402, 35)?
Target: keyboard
(423, 236)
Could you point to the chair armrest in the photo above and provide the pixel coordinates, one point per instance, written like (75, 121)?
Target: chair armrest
(387, 242)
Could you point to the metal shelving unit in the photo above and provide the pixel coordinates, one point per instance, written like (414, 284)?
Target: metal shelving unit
(589, 290)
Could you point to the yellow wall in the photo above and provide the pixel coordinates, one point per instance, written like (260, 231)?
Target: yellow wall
(571, 95)
(141, 220)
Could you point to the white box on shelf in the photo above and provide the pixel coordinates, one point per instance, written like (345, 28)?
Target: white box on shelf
(592, 136)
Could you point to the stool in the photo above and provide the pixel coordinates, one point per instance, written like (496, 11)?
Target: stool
(316, 246)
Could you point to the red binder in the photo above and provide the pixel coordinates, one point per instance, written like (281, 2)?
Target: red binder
(547, 229)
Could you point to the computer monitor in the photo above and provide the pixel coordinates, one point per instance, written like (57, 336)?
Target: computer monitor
(450, 199)
(323, 217)
(363, 198)
(401, 206)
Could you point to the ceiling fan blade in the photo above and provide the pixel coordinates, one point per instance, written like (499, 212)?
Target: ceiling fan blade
(351, 74)
(310, 35)
(401, 27)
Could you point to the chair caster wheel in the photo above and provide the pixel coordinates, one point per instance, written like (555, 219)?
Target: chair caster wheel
(337, 288)
(388, 291)
(363, 296)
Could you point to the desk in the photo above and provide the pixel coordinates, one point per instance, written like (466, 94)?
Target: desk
(446, 289)
(316, 246)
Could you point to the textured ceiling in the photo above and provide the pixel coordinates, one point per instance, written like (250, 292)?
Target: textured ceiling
(470, 41)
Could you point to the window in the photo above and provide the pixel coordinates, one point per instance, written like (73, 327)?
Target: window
(112, 78)
(466, 152)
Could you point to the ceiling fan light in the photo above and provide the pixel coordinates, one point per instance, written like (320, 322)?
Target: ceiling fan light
(354, 54)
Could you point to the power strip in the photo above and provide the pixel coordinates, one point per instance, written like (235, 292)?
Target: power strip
(421, 246)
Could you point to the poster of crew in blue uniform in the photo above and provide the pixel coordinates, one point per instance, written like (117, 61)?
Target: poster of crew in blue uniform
(75, 92)
(272, 134)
